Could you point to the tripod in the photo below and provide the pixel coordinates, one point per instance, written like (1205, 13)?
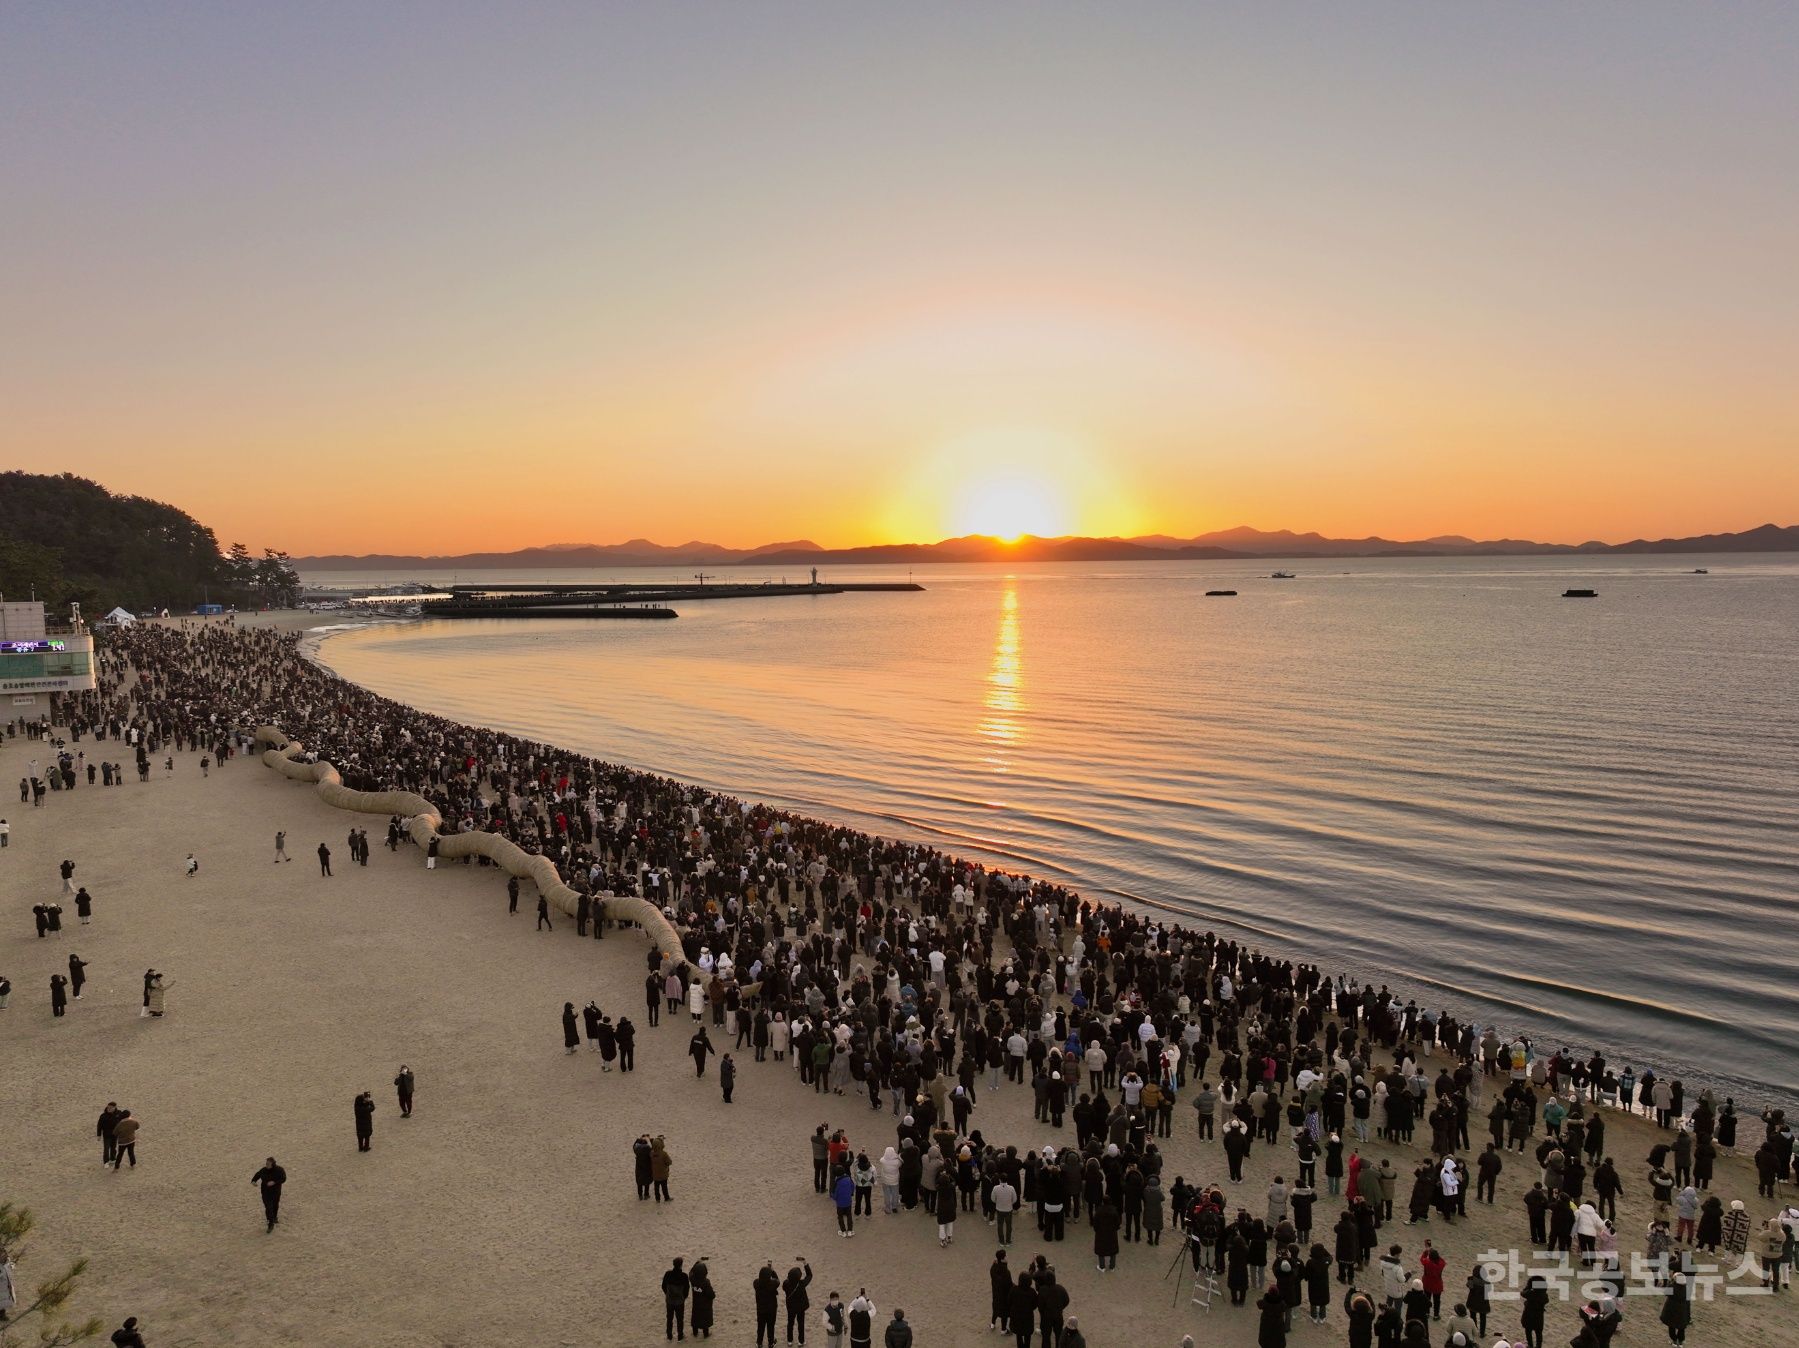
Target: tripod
(1203, 1289)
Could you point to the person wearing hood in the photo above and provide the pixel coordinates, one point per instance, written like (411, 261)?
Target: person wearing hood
(767, 1291)
(1686, 1214)
(700, 1281)
(1153, 1219)
(571, 1034)
(862, 1320)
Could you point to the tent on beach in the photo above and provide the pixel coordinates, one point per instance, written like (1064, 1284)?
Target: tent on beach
(120, 618)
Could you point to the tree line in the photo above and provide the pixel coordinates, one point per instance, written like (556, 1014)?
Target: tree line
(65, 539)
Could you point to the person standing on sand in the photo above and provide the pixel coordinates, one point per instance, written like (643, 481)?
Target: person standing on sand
(403, 1087)
(676, 1286)
(767, 1290)
(700, 1320)
(281, 847)
(512, 893)
(59, 999)
(68, 876)
(571, 1029)
(641, 1152)
(324, 860)
(103, 1129)
(661, 1163)
(626, 1034)
(543, 913)
(270, 1179)
(124, 1139)
(158, 1002)
(77, 975)
(193, 866)
(899, 1333)
(697, 1048)
(84, 906)
(799, 1301)
(727, 1075)
(365, 1121)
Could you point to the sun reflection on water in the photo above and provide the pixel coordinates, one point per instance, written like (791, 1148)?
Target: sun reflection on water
(1003, 726)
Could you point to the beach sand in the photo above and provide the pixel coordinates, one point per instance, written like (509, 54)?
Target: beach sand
(503, 1212)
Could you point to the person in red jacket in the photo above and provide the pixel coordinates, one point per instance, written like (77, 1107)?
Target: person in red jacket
(1431, 1264)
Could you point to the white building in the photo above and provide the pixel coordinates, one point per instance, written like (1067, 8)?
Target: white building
(39, 659)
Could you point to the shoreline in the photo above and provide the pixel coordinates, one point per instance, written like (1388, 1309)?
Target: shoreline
(1452, 998)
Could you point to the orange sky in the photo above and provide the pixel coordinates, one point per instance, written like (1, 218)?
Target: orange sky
(335, 281)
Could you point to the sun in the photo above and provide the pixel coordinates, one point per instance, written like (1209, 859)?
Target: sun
(1009, 506)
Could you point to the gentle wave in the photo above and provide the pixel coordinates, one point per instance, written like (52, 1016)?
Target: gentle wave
(1432, 769)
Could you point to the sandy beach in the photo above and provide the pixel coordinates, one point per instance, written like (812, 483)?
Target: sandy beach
(503, 1212)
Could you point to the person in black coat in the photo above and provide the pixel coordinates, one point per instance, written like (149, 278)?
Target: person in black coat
(1052, 1305)
(1236, 1268)
(1535, 1297)
(1358, 1307)
(1105, 1220)
(403, 1087)
(798, 1299)
(571, 1028)
(270, 1178)
(1271, 1328)
(999, 1278)
(59, 997)
(365, 1121)
(1023, 1308)
(676, 1285)
(700, 1321)
(767, 1289)
(697, 1049)
(727, 1076)
(1318, 1283)
(640, 1151)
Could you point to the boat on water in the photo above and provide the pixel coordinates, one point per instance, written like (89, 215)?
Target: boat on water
(1580, 594)
(1220, 594)
(1281, 575)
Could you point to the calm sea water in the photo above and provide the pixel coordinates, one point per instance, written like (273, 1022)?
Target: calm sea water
(1574, 817)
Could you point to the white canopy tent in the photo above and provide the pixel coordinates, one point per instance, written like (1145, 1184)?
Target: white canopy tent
(120, 618)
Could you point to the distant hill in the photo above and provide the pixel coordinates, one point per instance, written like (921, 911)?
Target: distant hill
(1240, 542)
(67, 540)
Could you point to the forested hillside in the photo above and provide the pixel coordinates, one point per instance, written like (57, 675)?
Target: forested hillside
(65, 538)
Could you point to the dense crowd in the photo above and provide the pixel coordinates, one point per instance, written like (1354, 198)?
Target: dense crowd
(921, 981)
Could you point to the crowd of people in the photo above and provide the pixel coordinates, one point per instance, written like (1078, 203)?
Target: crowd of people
(920, 982)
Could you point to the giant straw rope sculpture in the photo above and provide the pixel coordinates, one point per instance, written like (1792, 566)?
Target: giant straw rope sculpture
(424, 823)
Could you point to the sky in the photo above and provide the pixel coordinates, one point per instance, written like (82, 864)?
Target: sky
(451, 277)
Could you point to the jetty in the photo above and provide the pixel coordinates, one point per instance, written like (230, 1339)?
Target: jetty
(608, 599)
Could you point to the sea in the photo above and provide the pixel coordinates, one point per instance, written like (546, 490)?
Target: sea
(1572, 818)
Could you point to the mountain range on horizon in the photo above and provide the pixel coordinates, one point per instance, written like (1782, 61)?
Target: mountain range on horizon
(1241, 542)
